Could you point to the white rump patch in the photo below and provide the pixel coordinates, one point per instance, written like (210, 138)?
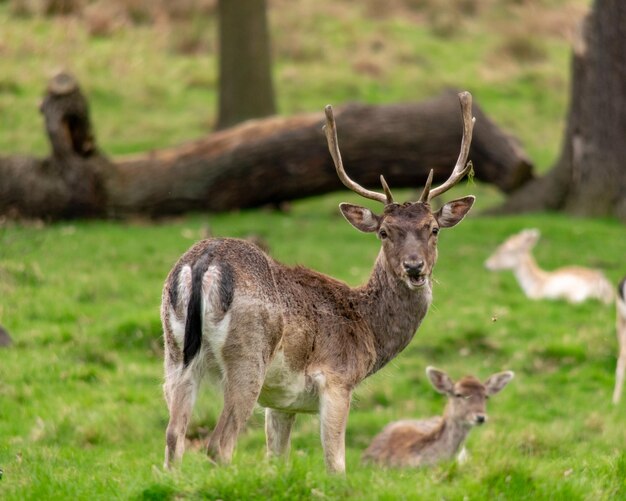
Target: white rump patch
(214, 331)
(184, 288)
(178, 328)
(177, 314)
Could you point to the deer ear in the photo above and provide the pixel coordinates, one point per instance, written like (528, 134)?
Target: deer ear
(532, 236)
(496, 382)
(452, 212)
(361, 218)
(440, 380)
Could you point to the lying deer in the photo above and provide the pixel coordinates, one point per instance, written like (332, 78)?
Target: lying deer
(290, 338)
(428, 441)
(620, 307)
(573, 283)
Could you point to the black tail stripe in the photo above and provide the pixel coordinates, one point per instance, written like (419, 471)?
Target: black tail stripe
(227, 286)
(621, 288)
(193, 324)
(174, 284)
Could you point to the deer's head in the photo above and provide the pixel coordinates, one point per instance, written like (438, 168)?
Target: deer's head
(408, 231)
(509, 254)
(467, 398)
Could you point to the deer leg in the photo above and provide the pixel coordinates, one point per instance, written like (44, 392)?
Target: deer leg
(620, 370)
(243, 383)
(278, 431)
(180, 394)
(334, 409)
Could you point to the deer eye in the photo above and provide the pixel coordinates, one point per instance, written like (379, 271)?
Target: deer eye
(382, 234)
(458, 395)
(435, 230)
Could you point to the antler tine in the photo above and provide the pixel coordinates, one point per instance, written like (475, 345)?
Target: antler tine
(333, 146)
(462, 166)
(388, 195)
(426, 192)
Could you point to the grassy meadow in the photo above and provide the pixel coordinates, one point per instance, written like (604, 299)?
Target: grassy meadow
(81, 409)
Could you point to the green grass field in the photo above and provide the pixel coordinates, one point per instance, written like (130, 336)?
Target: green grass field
(81, 410)
(82, 415)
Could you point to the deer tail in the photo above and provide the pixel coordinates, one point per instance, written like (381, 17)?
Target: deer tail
(193, 324)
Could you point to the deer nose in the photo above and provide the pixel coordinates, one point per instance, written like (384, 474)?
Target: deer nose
(413, 267)
(480, 418)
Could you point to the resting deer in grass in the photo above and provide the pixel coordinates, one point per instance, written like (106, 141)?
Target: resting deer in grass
(428, 441)
(573, 283)
(620, 310)
(290, 338)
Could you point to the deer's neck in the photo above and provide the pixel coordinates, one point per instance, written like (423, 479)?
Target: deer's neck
(530, 277)
(392, 311)
(452, 434)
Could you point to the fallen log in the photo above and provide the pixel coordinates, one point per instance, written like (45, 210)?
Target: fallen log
(259, 162)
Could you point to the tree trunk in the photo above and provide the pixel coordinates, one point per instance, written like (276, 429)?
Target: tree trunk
(590, 176)
(256, 163)
(245, 81)
(69, 183)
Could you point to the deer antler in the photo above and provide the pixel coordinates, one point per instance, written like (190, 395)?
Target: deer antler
(333, 146)
(462, 166)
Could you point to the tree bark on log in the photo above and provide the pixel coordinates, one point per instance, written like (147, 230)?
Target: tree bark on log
(590, 176)
(260, 162)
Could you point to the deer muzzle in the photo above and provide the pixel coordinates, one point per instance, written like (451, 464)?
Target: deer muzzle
(415, 272)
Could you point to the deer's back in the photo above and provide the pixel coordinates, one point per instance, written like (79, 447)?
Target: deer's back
(247, 272)
(577, 284)
(406, 443)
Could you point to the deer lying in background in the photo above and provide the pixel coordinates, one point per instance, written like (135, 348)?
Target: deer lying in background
(290, 338)
(620, 310)
(428, 441)
(573, 283)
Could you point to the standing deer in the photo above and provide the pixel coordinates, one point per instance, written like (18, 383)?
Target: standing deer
(290, 338)
(573, 283)
(620, 310)
(428, 441)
